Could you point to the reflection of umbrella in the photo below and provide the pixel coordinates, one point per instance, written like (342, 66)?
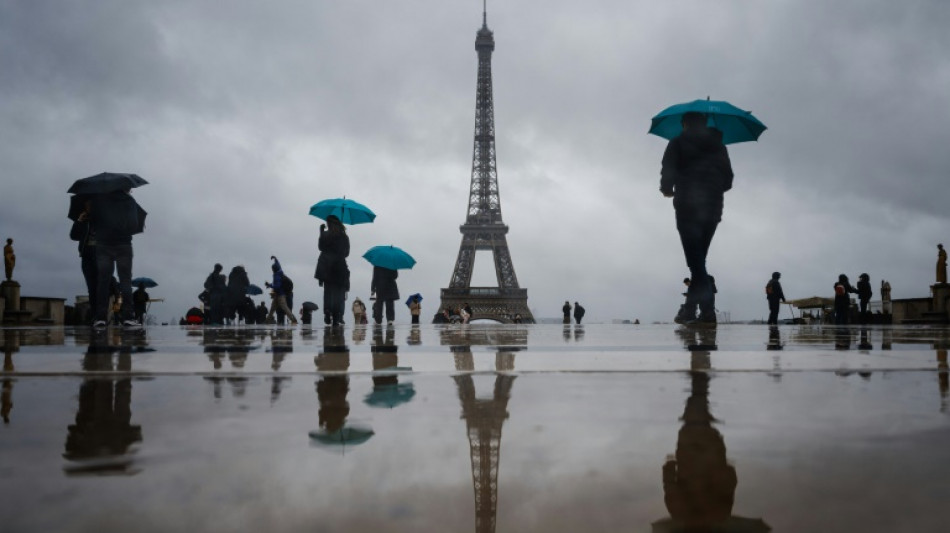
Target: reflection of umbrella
(348, 211)
(389, 257)
(347, 435)
(106, 182)
(148, 282)
(390, 395)
(253, 290)
(735, 124)
(310, 306)
(412, 297)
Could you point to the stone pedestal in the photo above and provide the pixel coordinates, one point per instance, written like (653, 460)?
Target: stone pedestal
(941, 294)
(10, 291)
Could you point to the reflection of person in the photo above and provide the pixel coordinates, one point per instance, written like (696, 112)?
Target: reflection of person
(387, 292)
(941, 264)
(696, 172)
(333, 388)
(9, 259)
(332, 271)
(774, 294)
(566, 309)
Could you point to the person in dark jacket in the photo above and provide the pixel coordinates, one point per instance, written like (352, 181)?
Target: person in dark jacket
(774, 294)
(332, 271)
(696, 173)
(386, 291)
(217, 286)
(114, 217)
(566, 309)
(842, 300)
(578, 312)
(83, 234)
(140, 302)
(279, 288)
(236, 293)
(864, 296)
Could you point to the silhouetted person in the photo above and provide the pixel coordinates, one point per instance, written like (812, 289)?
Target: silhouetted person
(566, 309)
(281, 286)
(238, 282)
(941, 264)
(217, 286)
(415, 309)
(774, 295)
(864, 296)
(578, 312)
(140, 302)
(306, 316)
(696, 172)
(332, 271)
(842, 300)
(82, 233)
(260, 314)
(114, 217)
(387, 292)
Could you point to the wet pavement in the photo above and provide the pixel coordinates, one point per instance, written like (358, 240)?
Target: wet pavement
(476, 428)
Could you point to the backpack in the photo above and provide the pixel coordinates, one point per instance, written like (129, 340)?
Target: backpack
(287, 284)
(768, 288)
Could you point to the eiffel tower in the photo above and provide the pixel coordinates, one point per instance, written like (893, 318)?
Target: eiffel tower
(484, 228)
(483, 421)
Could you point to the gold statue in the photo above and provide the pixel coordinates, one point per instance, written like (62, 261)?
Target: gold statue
(9, 259)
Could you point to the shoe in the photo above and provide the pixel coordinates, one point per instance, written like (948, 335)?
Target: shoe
(131, 324)
(703, 320)
(389, 323)
(99, 324)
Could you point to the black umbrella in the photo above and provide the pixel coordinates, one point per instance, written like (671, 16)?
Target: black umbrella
(310, 306)
(106, 182)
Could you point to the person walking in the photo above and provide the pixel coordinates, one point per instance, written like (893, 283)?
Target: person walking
(217, 286)
(415, 309)
(696, 173)
(332, 271)
(842, 304)
(280, 287)
(941, 264)
(774, 294)
(387, 292)
(566, 309)
(140, 303)
(864, 297)
(81, 232)
(578, 312)
(114, 217)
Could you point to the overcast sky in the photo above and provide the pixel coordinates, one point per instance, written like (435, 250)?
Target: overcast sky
(242, 114)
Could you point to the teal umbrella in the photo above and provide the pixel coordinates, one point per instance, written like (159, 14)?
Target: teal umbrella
(736, 125)
(390, 395)
(345, 436)
(148, 282)
(389, 257)
(348, 211)
(253, 290)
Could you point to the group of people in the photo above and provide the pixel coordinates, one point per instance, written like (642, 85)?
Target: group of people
(578, 312)
(459, 315)
(842, 301)
(226, 298)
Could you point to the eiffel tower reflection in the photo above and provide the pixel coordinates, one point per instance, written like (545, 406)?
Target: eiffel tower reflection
(484, 418)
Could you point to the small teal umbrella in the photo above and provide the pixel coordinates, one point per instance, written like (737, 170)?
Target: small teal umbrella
(390, 395)
(348, 211)
(736, 125)
(389, 257)
(148, 282)
(253, 290)
(347, 435)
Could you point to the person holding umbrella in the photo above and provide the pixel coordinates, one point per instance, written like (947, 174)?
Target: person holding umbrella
(332, 271)
(696, 173)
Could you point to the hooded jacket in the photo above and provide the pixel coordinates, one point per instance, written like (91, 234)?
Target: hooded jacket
(696, 169)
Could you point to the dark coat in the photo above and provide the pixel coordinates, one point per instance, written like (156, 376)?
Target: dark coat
(696, 169)
(384, 284)
(842, 300)
(578, 312)
(331, 265)
(864, 290)
(776, 294)
(238, 283)
(115, 217)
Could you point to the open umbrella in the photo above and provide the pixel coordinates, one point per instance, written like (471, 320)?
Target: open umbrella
(253, 290)
(412, 297)
(106, 182)
(389, 257)
(736, 125)
(348, 211)
(148, 282)
(390, 395)
(345, 436)
(310, 306)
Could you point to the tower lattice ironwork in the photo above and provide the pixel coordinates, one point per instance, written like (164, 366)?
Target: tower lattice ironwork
(483, 228)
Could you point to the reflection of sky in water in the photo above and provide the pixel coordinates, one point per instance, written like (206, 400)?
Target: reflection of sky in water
(578, 450)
